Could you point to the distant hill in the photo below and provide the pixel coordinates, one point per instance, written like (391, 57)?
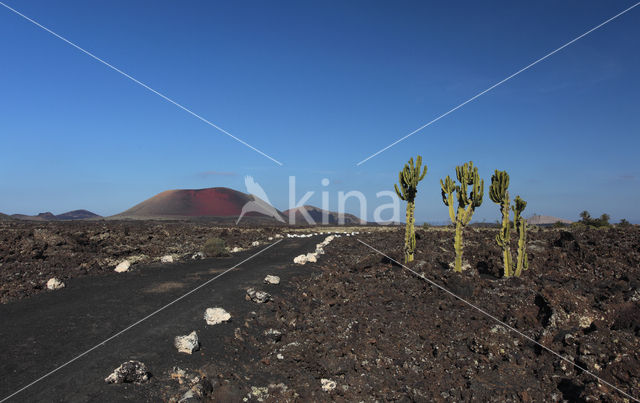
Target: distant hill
(48, 216)
(546, 220)
(193, 203)
(4, 217)
(77, 215)
(316, 214)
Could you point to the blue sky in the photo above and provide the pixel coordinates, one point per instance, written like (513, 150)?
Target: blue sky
(319, 86)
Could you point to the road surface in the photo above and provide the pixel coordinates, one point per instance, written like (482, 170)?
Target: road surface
(40, 333)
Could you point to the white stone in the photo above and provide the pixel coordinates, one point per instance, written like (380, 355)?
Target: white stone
(272, 279)
(123, 266)
(166, 259)
(198, 256)
(189, 396)
(319, 251)
(278, 235)
(280, 356)
(236, 249)
(302, 259)
(54, 284)
(273, 334)
(328, 385)
(255, 243)
(187, 344)
(585, 321)
(270, 238)
(214, 316)
(312, 257)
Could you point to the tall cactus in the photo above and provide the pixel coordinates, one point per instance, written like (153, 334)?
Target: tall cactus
(467, 176)
(409, 178)
(521, 228)
(499, 193)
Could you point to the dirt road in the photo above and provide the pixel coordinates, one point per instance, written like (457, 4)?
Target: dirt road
(41, 333)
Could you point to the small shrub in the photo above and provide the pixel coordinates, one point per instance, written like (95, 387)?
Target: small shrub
(586, 219)
(214, 247)
(624, 223)
(559, 224)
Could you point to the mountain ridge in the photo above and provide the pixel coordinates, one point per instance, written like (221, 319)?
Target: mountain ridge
(49, 216)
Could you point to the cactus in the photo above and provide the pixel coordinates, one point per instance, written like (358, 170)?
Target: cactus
(521, 228)
(499, 194)
(409, 178)
(467, 176)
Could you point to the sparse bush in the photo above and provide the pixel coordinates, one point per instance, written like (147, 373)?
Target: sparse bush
(624, 223)
(214, 247)
(586, 219)
(559, 224)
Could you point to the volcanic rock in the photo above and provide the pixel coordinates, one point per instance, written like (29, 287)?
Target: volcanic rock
(129, 372)
(259, 297)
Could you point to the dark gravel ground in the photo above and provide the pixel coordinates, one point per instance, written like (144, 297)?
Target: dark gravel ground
(383, 334)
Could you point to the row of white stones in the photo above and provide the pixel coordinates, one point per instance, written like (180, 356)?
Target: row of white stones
(313, 257)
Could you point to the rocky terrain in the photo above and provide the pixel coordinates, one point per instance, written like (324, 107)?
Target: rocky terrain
(356, 326)
(365, 329)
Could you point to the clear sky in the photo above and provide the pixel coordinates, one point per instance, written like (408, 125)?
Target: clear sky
(319, 86)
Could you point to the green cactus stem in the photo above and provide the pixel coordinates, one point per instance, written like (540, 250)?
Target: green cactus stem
(409, 177)
(499, 194)
(521, 228)
(467, 175)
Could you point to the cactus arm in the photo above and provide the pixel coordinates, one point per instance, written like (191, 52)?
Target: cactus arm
(505, 234)
(452, 214)
(521, 227)
(457, 244)
(400, 195)
(447, 196)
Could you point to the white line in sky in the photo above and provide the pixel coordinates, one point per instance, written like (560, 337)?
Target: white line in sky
(166, 98)
(496, 84)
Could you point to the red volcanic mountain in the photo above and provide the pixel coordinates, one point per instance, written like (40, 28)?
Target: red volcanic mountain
(185, 203)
